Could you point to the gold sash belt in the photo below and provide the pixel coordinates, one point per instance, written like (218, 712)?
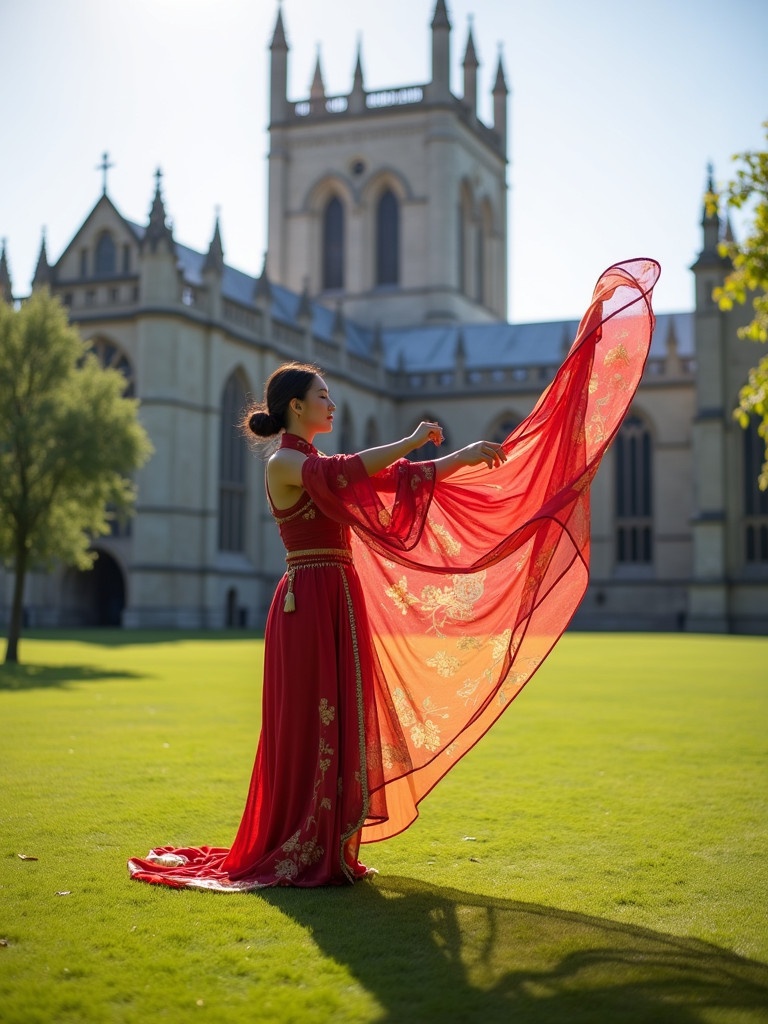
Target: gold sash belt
(311, 558)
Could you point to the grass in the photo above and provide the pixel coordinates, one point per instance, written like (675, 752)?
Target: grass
(601, 855)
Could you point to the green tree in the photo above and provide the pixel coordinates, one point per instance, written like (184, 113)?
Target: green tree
(749, 280)
(68, 442)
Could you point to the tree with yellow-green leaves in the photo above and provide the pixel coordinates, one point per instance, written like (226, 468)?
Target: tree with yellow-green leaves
(748, 280)
(69, 442)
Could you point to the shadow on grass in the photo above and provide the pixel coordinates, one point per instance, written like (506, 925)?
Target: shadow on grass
(32, 677)
(106, 637)
(429, 953)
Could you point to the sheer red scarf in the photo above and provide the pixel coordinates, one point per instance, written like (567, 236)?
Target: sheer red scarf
(470, 581)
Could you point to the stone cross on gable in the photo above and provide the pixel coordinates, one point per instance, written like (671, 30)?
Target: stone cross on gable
(104, 166)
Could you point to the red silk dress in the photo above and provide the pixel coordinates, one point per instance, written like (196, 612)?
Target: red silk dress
(413, 612)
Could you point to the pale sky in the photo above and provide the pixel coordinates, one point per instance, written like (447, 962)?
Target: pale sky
(616, 109)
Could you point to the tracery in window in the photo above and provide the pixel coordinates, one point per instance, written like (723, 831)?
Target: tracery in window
(232, 467)
(634, 492)
(333, 245)
(105, 256)
(387, 239)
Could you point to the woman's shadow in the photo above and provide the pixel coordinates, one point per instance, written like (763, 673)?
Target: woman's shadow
(430, 953)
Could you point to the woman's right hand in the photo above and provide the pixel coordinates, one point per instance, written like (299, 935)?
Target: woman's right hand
(425, 432)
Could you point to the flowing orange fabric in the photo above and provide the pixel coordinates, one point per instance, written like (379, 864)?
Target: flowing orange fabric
(420, 610)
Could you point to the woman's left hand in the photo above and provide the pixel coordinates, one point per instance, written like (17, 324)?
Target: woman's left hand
(487, 452)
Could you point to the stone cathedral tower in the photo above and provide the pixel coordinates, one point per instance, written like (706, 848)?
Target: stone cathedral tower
(391, 205)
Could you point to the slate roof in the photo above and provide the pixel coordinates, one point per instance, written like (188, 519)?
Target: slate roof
(434, 347)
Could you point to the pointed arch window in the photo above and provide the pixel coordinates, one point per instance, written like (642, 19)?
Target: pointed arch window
(371, 432)
(232, 468)
(388, 239)
(333, 244)
(105, 257)
(480, 264)
(755, 500)
(634, 497)
(111, 356)
(465, 224)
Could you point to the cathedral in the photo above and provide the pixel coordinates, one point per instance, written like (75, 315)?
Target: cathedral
(387, 267)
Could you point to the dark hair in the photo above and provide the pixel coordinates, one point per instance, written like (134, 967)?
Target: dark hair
(267, 418)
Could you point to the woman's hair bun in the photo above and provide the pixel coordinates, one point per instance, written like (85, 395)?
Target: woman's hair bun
(263, 424)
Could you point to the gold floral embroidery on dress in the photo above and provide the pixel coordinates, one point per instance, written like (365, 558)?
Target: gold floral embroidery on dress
(511, 685)
(446, 664)
(442, 603)
(399, 594)
(300, 855)
(326, 754)
(500, 643)
(394, 756)
(469, 643)
(426, 735)
(415, 481)
(594, 380)
(618, 354)
(403, 707)
(310, 513)
(325, 804)
(342, 481)
(287, 869)
(385, 517)
(423, 731)
(442, 540)
(327, 711)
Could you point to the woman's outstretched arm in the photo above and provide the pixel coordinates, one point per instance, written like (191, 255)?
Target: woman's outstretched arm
(376, 459)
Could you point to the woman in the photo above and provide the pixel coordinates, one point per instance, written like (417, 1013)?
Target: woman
(418, 601)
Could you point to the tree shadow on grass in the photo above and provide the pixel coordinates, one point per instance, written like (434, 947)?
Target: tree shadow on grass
(33, 677)
(428, 953)
(107, 637)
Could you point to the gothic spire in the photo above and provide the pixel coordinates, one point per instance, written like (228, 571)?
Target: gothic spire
(338, 329)
(43, 269)
(304, 309)
(357, 96)
(500, 85)
(317, 89)
(440, 18)
(262, 293)
(470, 65)
(6, 288)
(470, 56)
(279, 42)
(214, 260)
(158, 230)
(439, 88)
(358, 78)
(500, 93)
(710, 222)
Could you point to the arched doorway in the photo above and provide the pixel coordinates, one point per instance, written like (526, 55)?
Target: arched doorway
(95, 597)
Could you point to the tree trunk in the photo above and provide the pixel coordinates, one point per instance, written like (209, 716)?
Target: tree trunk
(14, 629)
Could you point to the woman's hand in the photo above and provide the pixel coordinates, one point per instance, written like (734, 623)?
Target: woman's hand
(425, 432)
(489, 452)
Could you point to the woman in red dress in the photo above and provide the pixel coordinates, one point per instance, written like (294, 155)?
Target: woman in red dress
(419, 598)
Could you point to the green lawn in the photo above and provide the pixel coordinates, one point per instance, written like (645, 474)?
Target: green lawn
(600, 856)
